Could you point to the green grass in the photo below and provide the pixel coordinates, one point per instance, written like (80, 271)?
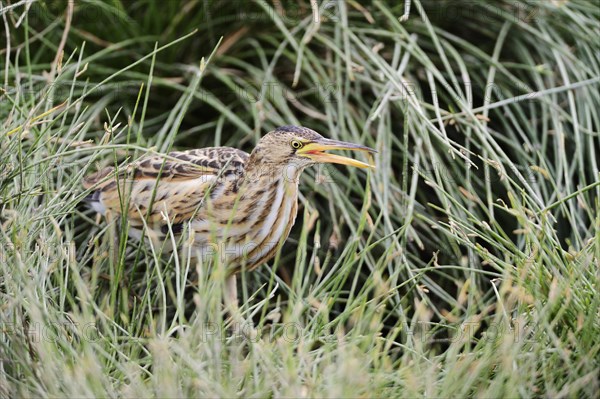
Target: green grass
(466, 264)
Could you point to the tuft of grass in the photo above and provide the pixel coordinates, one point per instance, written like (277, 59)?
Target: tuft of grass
(466, 264)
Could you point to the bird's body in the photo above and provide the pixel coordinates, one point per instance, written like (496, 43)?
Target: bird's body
(236, 206)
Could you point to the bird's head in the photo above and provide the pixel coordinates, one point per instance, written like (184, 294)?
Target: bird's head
(301, 147)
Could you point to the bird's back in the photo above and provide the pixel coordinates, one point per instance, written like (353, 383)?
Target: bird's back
(164, 190)
(242, 220)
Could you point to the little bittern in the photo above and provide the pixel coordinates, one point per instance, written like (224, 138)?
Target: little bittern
(237, 206)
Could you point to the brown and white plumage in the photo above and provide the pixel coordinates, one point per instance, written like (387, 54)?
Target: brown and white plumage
(240, 207)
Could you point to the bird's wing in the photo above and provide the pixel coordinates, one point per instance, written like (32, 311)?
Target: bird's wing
(173, 185)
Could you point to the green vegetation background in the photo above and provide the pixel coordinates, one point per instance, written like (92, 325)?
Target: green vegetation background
(466, 264)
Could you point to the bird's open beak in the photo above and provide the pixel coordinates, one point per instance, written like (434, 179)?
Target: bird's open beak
(316, 152)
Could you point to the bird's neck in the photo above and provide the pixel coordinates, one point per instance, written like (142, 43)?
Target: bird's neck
(269, 198)
(266, 171)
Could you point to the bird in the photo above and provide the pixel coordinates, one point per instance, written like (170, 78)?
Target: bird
(237, 208)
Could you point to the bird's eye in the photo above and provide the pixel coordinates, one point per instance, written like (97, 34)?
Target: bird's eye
(296, 144)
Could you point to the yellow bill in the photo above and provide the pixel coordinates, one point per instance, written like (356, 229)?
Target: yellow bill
(316, 151)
